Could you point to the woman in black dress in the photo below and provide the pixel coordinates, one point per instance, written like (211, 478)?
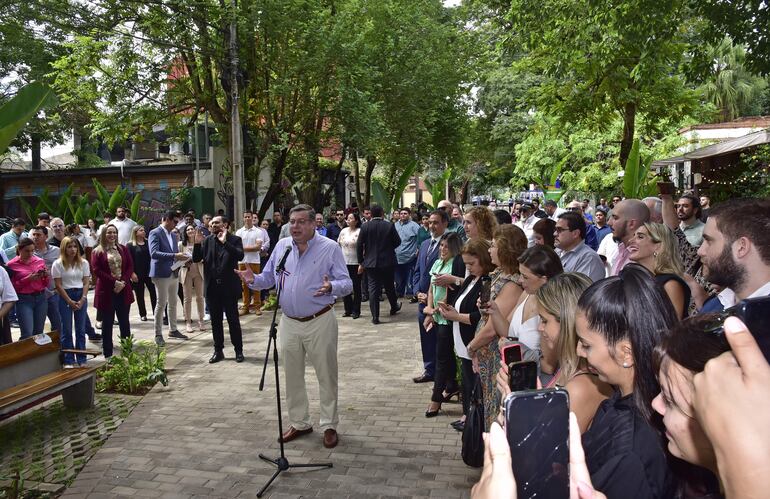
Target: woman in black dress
(140, 252)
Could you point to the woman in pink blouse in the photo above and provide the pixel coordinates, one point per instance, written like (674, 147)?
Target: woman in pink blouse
(30, 280)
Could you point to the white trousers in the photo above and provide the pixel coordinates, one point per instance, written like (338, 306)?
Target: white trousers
(166, 288)
(316, 339)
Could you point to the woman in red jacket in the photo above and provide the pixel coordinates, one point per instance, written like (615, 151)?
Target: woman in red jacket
(112, 266)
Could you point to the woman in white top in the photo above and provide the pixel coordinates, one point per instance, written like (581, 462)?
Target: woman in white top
(7, 299)
(71, 274)
(536, 265)
(348, 239)
(191, 277)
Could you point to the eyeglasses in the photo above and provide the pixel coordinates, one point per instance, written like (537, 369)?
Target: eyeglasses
(559, 230)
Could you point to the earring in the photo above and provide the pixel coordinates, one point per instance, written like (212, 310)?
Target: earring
(625, 364)
(655, 254)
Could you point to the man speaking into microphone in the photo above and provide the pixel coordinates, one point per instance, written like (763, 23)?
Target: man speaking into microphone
(313, 274)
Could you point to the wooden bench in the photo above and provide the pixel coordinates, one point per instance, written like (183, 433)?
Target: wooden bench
(31, 374)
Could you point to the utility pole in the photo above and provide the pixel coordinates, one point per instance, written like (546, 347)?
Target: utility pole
(236, 142)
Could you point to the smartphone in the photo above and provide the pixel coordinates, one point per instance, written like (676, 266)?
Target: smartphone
(486, 290)
(666, 188)
(755, 313)
(537, 427)
(522, 375)
(511, 353)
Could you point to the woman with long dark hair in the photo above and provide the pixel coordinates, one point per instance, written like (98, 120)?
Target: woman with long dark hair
(140, 254)
(620, 322)
(348, 239)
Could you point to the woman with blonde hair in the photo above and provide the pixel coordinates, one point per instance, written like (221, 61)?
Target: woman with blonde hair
(191, 277)
(508, 244)
(655, 248)
(557, 306)
(112, 267)
(480, 223)
(71, 275)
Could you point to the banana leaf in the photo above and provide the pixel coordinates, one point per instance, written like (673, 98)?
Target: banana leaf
(634, 173)
(117, 198)
(102, 196)
(16, 113)
(29, 211)
(381, 196)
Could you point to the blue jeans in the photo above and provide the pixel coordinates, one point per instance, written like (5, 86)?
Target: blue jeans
(31, 310)
(67, 315)
(53, 312)
(404, 272)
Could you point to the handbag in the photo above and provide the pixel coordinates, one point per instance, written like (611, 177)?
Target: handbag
(473, 443)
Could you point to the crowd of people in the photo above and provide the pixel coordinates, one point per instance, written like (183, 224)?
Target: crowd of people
(615, 303)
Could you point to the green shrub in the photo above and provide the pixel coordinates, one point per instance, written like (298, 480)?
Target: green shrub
(138, 367)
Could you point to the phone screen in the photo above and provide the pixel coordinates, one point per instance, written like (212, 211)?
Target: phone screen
(486, 290)
(755, 313)
(522, 375)
(511, 353)
(537, 427)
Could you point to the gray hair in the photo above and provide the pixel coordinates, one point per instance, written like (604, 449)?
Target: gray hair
(306, 208)
(655, 205)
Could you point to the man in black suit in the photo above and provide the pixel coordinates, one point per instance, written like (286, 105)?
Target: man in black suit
(220, 253)
(376, 248)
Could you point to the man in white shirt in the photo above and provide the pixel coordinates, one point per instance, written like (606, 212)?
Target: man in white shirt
(255, 239)
(527, 221)
(124, 225)
(552, 210)
(736, 249)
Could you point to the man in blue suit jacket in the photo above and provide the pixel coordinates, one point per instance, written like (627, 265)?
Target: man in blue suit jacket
(427, 255)
(164, 251)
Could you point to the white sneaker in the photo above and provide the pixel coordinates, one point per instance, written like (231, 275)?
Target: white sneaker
(68, 366)
(207, 317)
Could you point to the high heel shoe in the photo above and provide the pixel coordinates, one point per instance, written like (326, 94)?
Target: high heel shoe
(432, 414)
(453, 395)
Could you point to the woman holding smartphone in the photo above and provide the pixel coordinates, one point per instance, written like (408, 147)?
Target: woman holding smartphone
(30, 280)
(508, 244)
(444, 385)
(191, 277)
(462, 311)
(620, 322)
(112, 266)
(71, 275)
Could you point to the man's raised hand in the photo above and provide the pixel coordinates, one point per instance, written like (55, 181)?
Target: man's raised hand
(325, 288)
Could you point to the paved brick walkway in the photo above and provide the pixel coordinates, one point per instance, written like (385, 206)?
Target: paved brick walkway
(200, 436)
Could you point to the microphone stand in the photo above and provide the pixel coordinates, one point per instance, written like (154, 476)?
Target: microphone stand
(281, 463)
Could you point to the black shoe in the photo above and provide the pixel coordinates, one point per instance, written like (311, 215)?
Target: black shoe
(143, 318)
(432, 414)
(394, 311)
(95, 337)
(456, 394)
(216, 357)
(375, 321)
(365, 298)
(239, 357)
(346, 314)
(413, 299)
(458, 425)
(178, 335)
(356, 316)
(423, 378)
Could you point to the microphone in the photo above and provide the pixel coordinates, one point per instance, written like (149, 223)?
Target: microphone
(282, 263)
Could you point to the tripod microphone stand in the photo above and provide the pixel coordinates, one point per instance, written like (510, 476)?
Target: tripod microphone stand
(281, 463)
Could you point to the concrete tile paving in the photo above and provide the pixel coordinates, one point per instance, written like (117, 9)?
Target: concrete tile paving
(201, 435)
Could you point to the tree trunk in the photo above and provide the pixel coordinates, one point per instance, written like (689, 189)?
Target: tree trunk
(629, 126)
(35, 147)
(275, 185)
(357, 173)
(371, 162)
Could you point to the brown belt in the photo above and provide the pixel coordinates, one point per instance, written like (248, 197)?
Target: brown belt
(311, 317)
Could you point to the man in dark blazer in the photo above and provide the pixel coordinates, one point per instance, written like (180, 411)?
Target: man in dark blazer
(437, 223)
(220, 253)
(377, 243)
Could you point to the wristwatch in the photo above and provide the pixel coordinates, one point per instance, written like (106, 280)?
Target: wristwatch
(458, 281)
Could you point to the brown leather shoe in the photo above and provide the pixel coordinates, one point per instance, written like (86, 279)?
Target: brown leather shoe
(293, 433)
(330, 438)
(243, 311)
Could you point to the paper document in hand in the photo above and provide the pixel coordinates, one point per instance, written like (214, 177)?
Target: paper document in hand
(178, 265)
